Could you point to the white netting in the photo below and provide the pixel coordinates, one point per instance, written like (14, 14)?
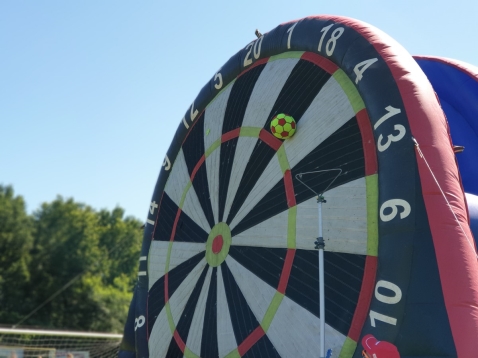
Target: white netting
(19, 343)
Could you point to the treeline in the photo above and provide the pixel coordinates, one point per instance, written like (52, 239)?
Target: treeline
(82, 262)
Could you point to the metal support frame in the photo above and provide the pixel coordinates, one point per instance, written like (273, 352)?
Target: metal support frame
(319, 245)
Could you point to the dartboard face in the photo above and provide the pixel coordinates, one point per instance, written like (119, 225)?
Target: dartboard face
(232, 267)
(229, 266)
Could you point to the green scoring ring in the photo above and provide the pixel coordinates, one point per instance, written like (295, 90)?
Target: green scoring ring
(215, 259)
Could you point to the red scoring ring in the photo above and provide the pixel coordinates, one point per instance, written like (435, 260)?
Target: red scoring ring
(217, 243)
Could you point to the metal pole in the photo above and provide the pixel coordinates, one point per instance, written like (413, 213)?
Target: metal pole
(320, 245)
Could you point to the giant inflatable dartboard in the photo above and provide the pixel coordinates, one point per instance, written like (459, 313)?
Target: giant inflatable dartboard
(228, 265)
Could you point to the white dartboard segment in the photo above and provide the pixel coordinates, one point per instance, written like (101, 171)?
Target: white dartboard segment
(257, 293)
(213, 121)
(195, 331)
(158, 254)
(225, 333)
(175, 188)
(213, 162)
(294, 329)
(344, 218)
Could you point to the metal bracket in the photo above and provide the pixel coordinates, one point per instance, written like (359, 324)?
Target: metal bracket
(319, 243)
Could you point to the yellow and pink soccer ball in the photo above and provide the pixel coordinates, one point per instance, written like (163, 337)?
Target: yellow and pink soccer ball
(283, 126)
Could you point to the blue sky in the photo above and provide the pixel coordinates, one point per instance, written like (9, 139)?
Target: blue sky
(91, 92)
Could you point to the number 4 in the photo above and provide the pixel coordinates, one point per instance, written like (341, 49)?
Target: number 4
(362, 67)
(152, 207)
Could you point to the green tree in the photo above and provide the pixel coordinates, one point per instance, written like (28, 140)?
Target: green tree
(84, 264)
(15, 244)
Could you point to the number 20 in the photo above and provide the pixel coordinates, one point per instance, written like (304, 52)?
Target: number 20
(256, 46)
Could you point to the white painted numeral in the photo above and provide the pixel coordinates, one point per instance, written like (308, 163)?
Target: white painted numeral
(393, 204)
(166, 162)
(185, 123)
(391, 300)
(361, 67)
(247, 59)
(391, 138)
(143, 258)
(194, 112)
(397, 292)
(289, 30)
(256, 46)
(381, 317)
(219, 78)
(324, 30)
(153, 206)
(139, 322)
(391, 112)
(330, 45)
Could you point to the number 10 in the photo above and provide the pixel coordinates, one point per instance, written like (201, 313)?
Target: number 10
(397, 296)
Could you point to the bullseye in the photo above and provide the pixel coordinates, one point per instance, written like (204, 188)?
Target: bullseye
(217, 244)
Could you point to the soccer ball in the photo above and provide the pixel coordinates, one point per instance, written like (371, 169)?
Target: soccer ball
(283, 126)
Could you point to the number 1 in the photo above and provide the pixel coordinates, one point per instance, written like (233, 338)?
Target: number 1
(391, 112)
(289, 30)
(324, 30)
(381, 317)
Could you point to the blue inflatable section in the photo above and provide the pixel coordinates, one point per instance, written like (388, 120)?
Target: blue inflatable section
(456, 85)
(472, 201)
